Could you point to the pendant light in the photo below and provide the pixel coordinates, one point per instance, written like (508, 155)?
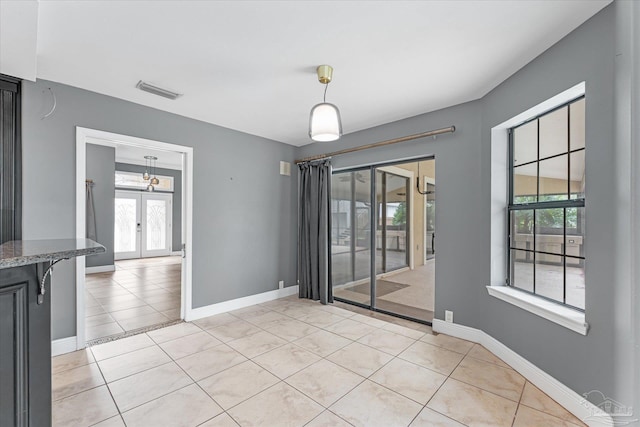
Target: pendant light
(154, 180)
(150, 163)
(147, 162)
(324, 121)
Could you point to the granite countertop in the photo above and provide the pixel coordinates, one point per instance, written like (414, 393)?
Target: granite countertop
(24, 252)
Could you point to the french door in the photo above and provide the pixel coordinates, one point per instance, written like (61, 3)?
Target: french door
(143, 223)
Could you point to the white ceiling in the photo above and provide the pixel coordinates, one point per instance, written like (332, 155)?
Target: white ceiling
(250, 65)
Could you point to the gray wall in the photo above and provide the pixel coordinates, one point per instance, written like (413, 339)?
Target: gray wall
(244, 211)
(463, 214)
(101, 168)
(177, 198)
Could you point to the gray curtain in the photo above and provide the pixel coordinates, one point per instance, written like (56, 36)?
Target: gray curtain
(313, 232)
(91, 213)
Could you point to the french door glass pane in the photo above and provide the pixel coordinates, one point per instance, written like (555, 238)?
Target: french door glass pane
(126, 225)
(156, 224)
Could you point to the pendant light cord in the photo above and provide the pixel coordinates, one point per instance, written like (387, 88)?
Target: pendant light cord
(324, 99)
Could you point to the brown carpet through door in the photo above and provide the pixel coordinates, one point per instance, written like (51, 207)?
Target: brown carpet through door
(383, 287)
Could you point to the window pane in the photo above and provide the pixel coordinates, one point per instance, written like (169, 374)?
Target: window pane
(351, 235)
(577, 175)
(522, 270)
(549, 230)
(574, 245)
(553, 179)
(553, 133)
(525, 143)
(156, 224)
(525, 186)
(522, 229)
(577, 124)
(125, 225)
(549, 276)
(575, 282)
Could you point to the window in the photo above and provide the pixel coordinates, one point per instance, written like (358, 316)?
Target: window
(134, 180)
(546, 205)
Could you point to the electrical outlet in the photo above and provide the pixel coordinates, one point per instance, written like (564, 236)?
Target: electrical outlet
(448, 316)
(281, 284)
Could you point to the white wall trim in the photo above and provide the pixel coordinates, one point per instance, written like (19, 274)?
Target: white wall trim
(63, 345)
(235, 304)
(93, 136)
(556, 313)
(176, 253)
(569, 399)
(100, 269)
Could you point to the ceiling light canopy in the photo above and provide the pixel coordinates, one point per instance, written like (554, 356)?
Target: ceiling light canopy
(324, 122)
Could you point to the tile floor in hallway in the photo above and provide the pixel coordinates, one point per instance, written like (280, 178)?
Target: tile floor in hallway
(140, 293)
(293, 362)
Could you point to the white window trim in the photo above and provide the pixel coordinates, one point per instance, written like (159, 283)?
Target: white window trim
(562, 315)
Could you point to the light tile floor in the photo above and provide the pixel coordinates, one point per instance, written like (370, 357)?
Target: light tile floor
(278, 364)
(140, 293)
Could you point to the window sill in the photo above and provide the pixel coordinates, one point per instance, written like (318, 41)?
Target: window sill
(563, 316)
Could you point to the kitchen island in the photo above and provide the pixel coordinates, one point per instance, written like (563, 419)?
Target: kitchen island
(25, 326)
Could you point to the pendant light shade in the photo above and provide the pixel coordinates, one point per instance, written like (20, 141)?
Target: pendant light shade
(324, 123)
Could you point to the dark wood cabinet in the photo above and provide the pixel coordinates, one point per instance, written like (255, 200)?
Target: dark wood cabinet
(25, 326)
(25, 349)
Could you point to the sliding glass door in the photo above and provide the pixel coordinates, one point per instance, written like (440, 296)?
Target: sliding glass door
(374, 207)
(351, 238)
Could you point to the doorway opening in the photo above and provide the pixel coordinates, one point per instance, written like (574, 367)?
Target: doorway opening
(144, 280)
(390, 208)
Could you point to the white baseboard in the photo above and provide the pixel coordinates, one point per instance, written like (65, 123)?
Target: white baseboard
(572, 401)
(176, 253)
(63, 345)
(223, 307)
(99, 269)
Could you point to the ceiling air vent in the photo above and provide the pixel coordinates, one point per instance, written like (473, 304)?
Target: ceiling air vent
(157, 90)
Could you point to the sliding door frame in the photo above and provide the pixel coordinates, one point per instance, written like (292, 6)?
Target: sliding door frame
(371, 168)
